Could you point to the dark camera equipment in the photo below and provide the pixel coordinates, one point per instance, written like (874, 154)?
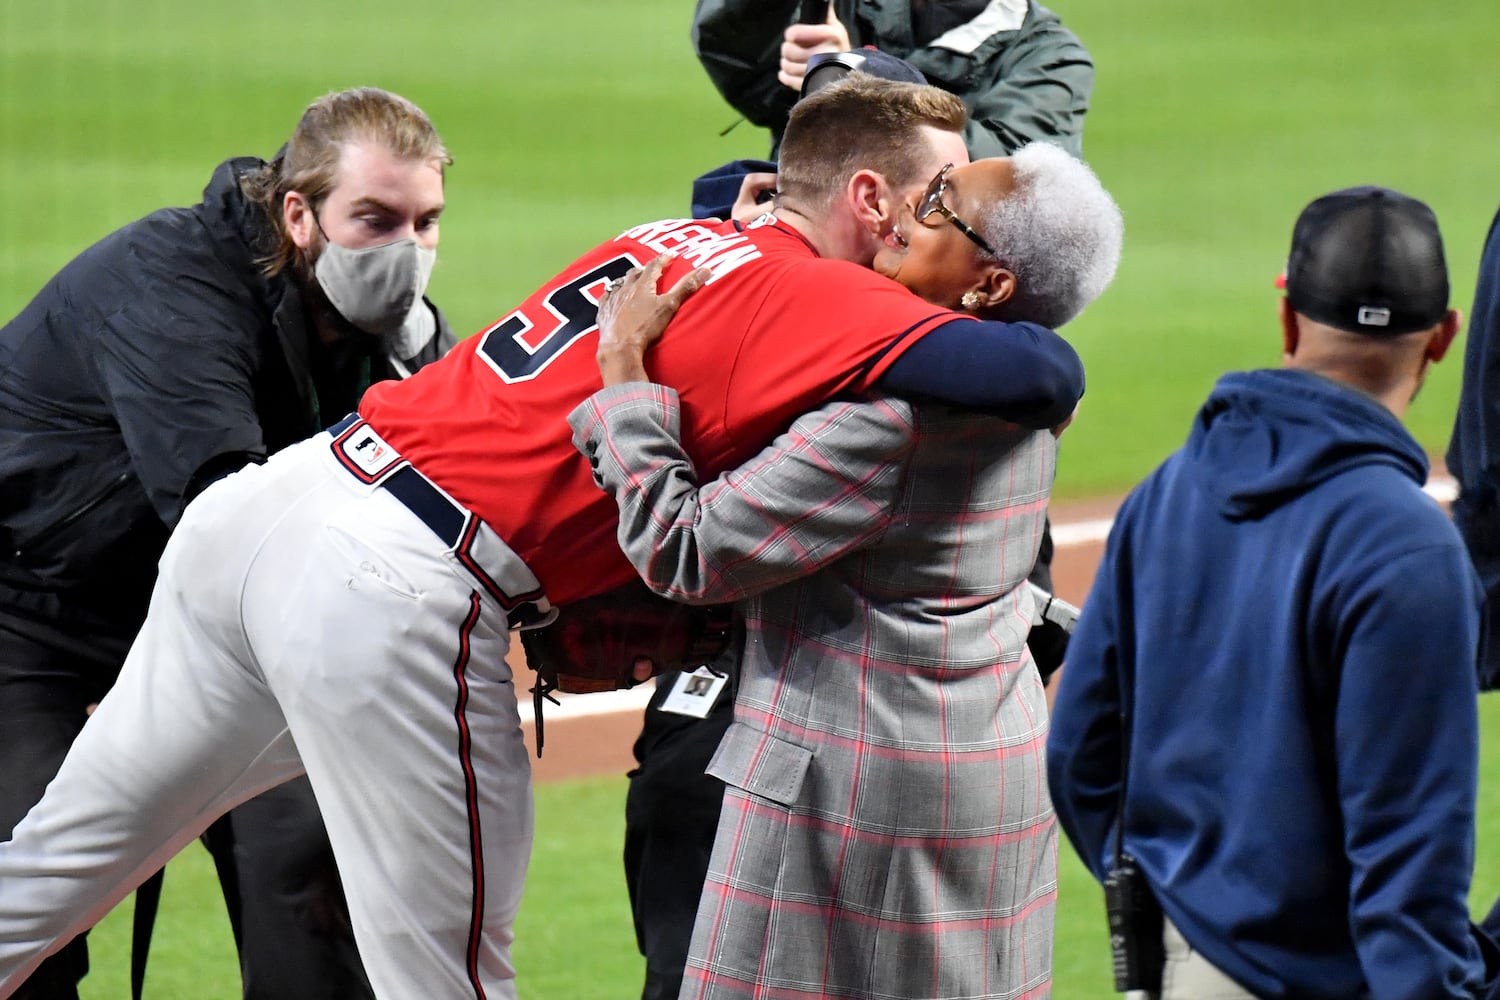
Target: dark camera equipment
(1051, 628)
(1135, 927)
(813, 12)
(1135, 916)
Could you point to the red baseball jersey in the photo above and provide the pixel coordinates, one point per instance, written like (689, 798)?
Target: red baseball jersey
(777, 331)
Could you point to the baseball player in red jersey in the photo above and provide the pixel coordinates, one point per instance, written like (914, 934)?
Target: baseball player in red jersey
(777, 331)
(345, 609)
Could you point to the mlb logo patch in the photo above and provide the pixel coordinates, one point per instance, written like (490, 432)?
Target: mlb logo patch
(367, 453)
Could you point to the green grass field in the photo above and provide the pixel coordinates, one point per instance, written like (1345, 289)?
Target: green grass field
(1212, 123)
(574, 939)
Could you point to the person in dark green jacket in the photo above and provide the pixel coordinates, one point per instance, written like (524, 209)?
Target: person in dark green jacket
(1023, 76)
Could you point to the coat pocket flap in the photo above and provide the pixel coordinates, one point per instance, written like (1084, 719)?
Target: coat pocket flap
(761, 764)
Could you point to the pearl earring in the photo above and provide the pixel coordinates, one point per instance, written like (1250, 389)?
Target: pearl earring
(970, 300)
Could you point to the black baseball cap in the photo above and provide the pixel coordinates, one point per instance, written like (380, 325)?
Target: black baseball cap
(1368, 260)
(824, 68)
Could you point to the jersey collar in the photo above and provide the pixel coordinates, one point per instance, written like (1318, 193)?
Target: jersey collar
(770, 221)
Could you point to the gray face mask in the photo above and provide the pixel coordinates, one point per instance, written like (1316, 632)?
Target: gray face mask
(376, 288)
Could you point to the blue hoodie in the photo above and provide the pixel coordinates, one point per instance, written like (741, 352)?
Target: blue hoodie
(1296, 621)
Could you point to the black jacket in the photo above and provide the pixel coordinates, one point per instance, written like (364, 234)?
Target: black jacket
(158, 356)
(1024, 77)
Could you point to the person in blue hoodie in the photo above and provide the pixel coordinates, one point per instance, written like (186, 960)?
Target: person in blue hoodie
(1276, 659)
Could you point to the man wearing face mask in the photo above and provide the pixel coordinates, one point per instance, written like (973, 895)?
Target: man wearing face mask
(172, 352)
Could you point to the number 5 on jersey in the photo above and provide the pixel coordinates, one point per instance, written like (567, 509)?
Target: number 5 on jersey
(518, 347)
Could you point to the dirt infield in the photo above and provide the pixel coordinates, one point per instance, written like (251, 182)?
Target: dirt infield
(592, 734)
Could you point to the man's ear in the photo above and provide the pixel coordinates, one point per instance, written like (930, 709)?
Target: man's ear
(870, 198)
(1290, 335)
(297, 213)
(1443, 338)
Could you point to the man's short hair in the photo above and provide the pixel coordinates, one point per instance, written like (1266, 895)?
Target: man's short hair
(1058, 231)
(861, 123)
(1368, 260)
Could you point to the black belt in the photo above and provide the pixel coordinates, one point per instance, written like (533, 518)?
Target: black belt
(447, 519)
(417, 493)
(443, 516)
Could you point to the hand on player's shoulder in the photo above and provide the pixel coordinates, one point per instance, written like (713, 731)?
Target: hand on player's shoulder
(633, 315)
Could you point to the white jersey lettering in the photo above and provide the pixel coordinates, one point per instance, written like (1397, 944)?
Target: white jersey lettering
(730, 258)
(696, 244)
(651, 230)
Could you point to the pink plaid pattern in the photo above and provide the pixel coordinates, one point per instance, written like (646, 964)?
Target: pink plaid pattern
(887, 831)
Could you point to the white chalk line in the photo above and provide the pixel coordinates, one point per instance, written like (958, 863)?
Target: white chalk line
(578, 706)
(1065, 535)
(1443, 489)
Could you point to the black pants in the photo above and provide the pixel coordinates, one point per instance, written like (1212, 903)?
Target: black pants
(281, 887)
(671, 815)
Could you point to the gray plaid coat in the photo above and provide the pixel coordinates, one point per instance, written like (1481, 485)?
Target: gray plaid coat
(887, 831)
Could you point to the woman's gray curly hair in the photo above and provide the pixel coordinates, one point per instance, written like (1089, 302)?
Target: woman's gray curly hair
(1058, 231)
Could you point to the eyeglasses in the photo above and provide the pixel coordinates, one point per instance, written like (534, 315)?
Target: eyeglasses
(932, 201)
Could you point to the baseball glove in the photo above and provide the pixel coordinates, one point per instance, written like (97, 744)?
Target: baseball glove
(594, 643)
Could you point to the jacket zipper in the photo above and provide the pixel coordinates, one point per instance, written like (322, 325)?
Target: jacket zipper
(117, 484)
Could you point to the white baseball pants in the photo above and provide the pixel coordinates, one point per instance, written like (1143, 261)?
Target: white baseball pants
(306, 619)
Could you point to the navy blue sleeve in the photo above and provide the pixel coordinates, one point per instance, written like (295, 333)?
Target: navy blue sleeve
(1021, 372)
(1474, 452)
(1407, 780)
(1087, 738)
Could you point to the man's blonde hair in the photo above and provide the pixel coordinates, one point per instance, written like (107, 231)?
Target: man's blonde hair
(309, 162)
(860, 123)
